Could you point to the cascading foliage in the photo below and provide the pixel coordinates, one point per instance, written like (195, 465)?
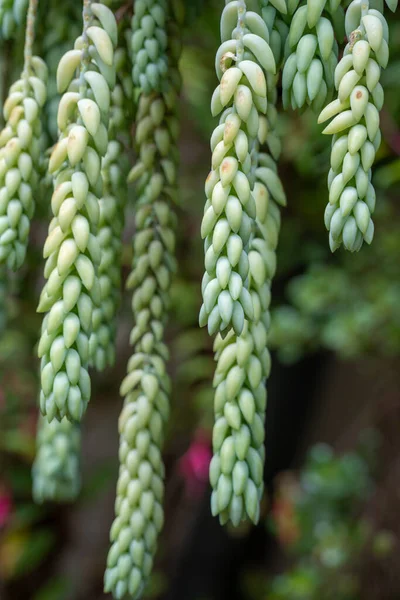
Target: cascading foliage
(72, 250)
(109, 235)
(311, 53)
(140, 488)
(123, 67)
(20, 152)
(12, 17)
(355, 127)
(56, 470)
(240, 227)
(149, 44)
(230, 209)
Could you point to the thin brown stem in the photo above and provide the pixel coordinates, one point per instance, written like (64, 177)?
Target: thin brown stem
(29, 36)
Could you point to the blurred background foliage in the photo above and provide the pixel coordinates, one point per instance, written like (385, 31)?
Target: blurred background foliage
(330, 527)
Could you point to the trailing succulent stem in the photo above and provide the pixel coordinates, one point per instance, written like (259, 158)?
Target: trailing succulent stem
(273, 14)
(149, 44)
(109, 235)
(114, 170)
(311, 52)
(72, 291)
(240, 226)
(243, 364)
(20, 152)
(12, 17)
(140, 488)
(355, 128)
(55, 472)
(230, 210)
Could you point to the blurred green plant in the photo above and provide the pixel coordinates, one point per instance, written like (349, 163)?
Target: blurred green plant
(317, 517)
(351, 307)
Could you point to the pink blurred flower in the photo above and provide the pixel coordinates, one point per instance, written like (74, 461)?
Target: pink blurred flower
(5, 506)
(194, 464)
(283, 509)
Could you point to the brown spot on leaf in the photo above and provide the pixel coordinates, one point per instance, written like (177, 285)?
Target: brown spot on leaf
(225, 166)
(228, 127)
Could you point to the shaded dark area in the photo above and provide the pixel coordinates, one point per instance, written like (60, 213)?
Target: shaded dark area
(215, 570)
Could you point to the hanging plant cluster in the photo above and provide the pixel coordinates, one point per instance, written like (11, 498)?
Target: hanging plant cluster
(266, 46)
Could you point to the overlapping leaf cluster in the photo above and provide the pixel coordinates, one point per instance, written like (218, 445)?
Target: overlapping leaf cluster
(311, 52)
(140, 488)
(72, 250)
(355, 127)
(56, 470)
(240, 226)
(12, 16)
(21, 152)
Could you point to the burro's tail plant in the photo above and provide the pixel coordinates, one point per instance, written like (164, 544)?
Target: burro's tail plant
(240, 227)
(274, 14)
(243, 364)
(149, 44)
(20, 151)
(355, 127)
(109, 235)
(12, 16)
(311, 53)
(230, 210)
(72, 250)
(140, 489)
(56, 472)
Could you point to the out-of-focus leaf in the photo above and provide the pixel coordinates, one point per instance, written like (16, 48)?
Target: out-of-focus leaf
(387, 175)
(157, 585)
(38, 544)
(100, 478)
(12, 546)
(195, 369)
(58, 588)
(25, 515)
(17, 442)
(190, 341)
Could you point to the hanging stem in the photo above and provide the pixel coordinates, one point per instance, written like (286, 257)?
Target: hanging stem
(239, 31)
(87, 17)
(29, 36)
